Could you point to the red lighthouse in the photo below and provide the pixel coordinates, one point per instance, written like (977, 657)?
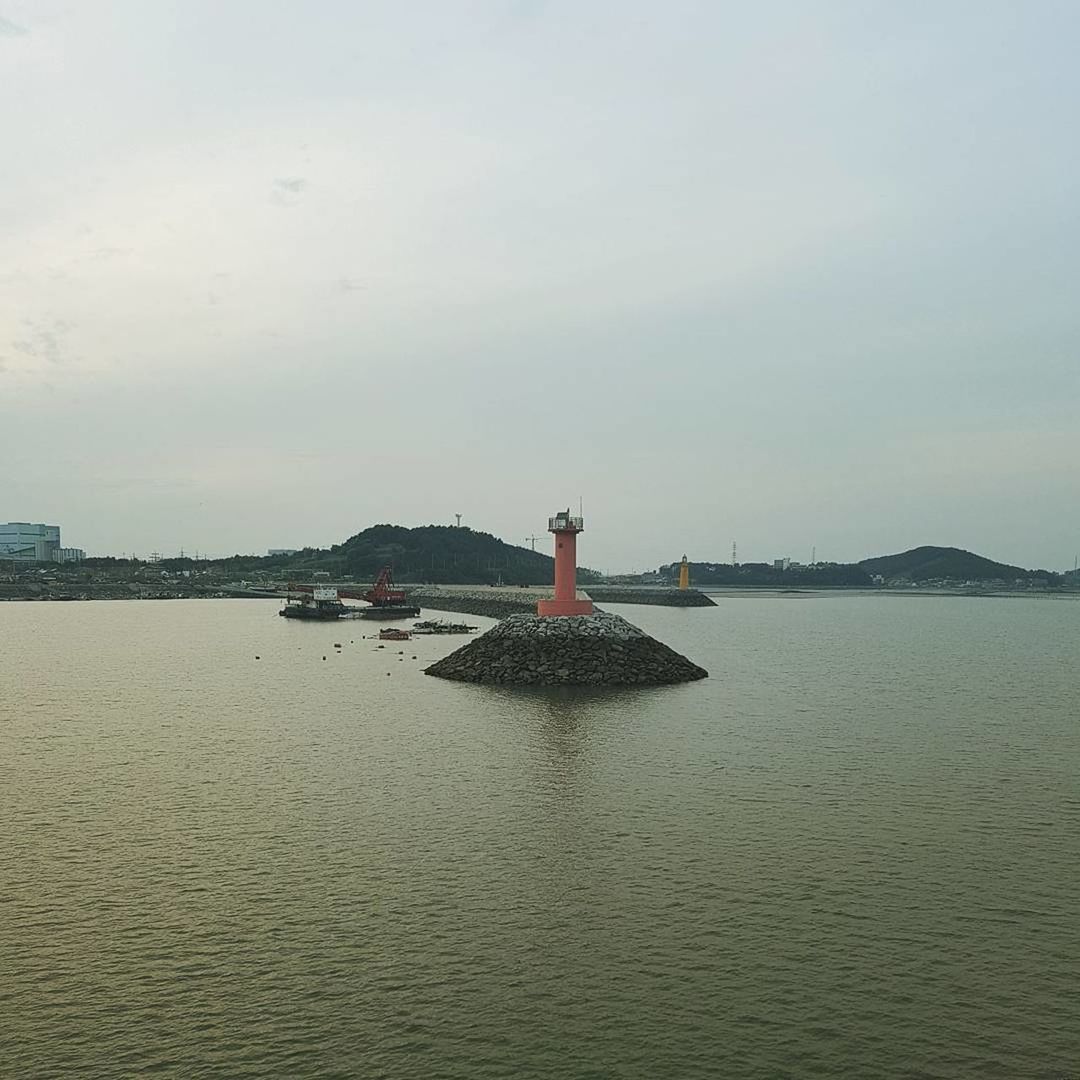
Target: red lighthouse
(566, 602)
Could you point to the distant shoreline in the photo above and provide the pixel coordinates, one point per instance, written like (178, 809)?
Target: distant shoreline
(929, 591)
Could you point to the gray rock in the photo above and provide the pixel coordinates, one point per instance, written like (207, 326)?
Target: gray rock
(552, 650)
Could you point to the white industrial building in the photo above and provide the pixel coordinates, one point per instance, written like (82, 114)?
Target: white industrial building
(21, 541)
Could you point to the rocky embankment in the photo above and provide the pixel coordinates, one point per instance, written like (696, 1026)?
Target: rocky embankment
(498, 603)
(97, 591)
(597, 649)
(618, 594)
(492, 603)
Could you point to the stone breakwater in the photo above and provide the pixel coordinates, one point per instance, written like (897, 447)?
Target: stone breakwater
(498, 603)
(597, 649)
(493, 605)
(617, 594)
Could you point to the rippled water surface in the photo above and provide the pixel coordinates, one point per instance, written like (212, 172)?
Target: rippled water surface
(852, 851)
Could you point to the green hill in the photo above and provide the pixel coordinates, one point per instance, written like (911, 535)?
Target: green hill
(920, 565)
(938, 563)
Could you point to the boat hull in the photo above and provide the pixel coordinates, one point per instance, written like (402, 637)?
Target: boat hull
(407, 611)
(320, 614)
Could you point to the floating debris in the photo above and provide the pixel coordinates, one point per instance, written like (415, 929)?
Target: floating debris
(442, 626)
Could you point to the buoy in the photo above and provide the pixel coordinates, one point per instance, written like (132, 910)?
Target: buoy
(256, 658)
(324, 657)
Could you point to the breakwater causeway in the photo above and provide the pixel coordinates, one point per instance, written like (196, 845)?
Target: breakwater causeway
(618, 594)
(496, 603)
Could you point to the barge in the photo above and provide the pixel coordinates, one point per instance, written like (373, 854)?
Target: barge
(384, 601)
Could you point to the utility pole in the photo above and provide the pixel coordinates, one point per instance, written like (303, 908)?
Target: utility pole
(813, 556)
(533, 540)
(458, 516)
(734, 554)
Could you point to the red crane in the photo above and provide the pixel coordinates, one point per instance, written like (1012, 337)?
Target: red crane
(383, 593)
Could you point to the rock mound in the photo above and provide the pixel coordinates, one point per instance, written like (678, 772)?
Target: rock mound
(586, 649)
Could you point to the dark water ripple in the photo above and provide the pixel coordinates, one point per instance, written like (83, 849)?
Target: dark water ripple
(853, 851)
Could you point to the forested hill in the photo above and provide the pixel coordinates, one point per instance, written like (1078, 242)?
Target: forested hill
(938, 563)
(921, 565)
(444, 554)
(441, 554)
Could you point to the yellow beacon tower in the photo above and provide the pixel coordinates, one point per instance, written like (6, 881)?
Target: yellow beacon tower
(684, 574)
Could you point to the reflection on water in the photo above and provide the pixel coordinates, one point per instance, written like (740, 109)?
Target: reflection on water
(850, 851)
(564, 722)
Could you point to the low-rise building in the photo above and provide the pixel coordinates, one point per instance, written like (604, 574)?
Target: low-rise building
(22, 541)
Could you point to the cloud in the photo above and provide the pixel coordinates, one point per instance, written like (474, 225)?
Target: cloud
(43, 340)
(765, 250)
(295, 184)
(287, 189)
(9, 29)
(109, 252)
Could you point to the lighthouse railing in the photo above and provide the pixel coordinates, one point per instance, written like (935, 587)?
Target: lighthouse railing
(561, 521)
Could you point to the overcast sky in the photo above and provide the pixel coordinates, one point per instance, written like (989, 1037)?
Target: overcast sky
(795, 274)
